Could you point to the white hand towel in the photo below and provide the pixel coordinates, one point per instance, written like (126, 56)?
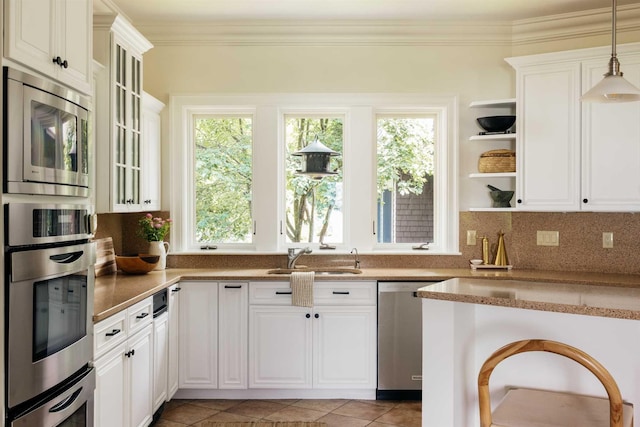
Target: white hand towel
(301, 283)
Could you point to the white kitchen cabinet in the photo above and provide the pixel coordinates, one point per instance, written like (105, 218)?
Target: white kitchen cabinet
(52, 37)
(233, 306)
(343, 339)
(173, 344)
(160, 359)
(124, 367)
(198, 337)
(139, 372)
(610, 148)
(119, 143)
(575, 156)
(280, 346)
(330, 346)
(151, 149)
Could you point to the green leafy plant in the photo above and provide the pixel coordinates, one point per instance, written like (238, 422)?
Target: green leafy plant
(153, 229)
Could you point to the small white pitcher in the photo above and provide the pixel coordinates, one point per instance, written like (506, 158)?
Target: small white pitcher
(159, 248)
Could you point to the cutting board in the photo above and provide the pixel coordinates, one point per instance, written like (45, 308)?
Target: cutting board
(105, 257)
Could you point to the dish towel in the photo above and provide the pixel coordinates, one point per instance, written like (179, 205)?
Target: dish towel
(301, 283)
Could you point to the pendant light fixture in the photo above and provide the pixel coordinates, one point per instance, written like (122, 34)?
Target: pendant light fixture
(613, 88)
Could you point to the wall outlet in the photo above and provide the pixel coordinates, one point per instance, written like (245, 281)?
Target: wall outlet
(471, 238)
(607, 240)
(548, 238)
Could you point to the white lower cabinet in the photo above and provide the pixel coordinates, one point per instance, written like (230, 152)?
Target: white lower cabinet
(123, 348)
(160, 359)
(233, 306)
(279, 346)
(173, 344)
(330, 346)
(198, 338)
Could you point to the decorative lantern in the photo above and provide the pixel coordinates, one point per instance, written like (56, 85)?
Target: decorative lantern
(316, 159)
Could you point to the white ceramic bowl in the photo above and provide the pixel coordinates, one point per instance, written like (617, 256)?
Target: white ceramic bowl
(475, 261)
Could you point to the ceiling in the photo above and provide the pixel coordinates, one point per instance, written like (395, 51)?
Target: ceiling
(155, 11)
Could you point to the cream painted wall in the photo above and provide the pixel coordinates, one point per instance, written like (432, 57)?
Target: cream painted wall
(469, 72)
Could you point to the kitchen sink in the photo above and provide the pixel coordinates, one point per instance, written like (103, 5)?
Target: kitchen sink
(319, 270)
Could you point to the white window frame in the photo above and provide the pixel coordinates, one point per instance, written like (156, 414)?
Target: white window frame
(360, 112)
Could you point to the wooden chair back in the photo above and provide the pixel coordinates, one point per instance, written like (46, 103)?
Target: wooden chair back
(615, 398)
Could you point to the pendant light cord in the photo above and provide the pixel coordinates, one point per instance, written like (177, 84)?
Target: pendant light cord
(614, 64)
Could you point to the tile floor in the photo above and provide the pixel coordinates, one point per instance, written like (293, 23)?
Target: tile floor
(334, 412)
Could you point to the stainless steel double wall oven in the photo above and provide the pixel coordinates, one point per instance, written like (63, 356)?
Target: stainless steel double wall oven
(49, 293)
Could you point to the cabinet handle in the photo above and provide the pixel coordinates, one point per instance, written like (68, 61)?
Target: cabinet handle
(64, 64)
(308, 316)
(113, 332)
(232, 286)
(519, 200)
(130, 353)
(176, 290)
(142, 315)
(341, 292)
(57, 60)
(585, 200)
(317, 316)
(283, 292)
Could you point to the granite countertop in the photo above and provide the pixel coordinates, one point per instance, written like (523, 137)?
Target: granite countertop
(596, 299)
(114, 293)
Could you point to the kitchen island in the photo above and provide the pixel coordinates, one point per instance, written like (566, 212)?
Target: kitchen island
(465, 319)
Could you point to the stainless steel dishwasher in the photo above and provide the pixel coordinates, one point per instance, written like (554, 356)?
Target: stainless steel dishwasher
(399, 341)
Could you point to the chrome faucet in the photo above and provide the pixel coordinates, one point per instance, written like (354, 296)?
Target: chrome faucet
(357, 260)
(293, 255)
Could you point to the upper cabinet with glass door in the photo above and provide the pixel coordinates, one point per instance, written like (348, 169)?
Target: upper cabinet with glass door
(119, 46)
(52, 37)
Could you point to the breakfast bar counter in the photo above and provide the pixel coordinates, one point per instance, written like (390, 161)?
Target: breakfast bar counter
(464, 320)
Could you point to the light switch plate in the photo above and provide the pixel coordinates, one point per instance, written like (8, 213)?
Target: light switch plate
(548, 238)
(607, 240)
(471, 237)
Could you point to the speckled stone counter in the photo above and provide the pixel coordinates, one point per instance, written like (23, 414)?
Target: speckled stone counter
(114, 293)
(622, 302)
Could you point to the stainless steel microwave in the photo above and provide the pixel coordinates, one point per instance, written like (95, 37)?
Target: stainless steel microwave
(46, 137)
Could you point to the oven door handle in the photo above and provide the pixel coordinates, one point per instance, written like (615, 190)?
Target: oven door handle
(65, 403)
(67, 258)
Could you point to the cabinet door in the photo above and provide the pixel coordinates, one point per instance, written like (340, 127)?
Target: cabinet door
(233, 335)
(610, 148)
(344, 347)
(279, 347)
(75, 46)
(198, 335)
(30, 33)
(151, 160)
(174, 325)
(109, 406)
(140, 378)
(160, 359)
(548, 141)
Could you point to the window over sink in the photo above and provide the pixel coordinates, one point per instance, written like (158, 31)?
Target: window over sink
(235, 185)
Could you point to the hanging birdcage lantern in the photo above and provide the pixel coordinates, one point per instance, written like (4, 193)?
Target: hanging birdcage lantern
(316, 160)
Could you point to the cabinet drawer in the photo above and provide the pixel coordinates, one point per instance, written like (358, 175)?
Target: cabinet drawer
(109, 333)
(270, 293)
(345, 293)
(139, 315)
(324, 293)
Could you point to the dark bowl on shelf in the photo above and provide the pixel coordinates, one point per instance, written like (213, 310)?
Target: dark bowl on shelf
(496, 123)
(501, 199)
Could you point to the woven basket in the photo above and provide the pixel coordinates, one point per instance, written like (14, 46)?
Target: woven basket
(497, 161)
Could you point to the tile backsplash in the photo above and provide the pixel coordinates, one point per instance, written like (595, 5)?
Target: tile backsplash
(580, 244)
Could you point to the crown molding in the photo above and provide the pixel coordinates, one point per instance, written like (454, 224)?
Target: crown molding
(595, 22)
(323, 32)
